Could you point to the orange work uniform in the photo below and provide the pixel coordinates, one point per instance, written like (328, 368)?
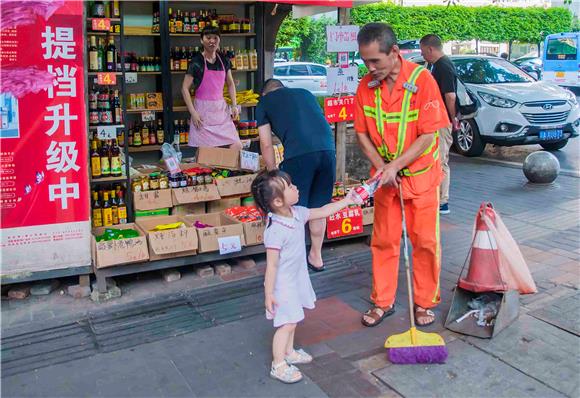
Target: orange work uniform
(393, 120)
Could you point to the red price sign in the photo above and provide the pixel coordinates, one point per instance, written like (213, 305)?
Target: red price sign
(106, 78)
(101, 24)
(339, 109)
(346, 222)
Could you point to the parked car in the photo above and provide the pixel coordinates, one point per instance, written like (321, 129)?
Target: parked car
(561, 59)
(409, 48)
(309, 76)
(531, 65)
(514, 108)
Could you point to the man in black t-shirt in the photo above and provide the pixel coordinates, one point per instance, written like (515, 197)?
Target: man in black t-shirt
(445, 75)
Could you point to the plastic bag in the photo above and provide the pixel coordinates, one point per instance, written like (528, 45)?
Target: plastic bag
(171, 157)
(512, 265)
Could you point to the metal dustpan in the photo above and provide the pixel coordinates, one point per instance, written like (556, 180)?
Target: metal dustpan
(508, 312)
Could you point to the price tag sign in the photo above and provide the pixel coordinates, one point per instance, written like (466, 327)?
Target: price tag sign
(342, 80)
(339, 109)
(249, 160)
(230, 244)
(130, 77)
(348, 221)
(147, 116)
(106, 78)
(106, 132)
(101, 24)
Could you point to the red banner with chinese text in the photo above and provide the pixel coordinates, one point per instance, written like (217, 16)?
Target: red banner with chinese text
(44, 190)
(348, 221)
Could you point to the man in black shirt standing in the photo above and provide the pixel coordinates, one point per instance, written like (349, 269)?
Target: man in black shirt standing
(444, 73)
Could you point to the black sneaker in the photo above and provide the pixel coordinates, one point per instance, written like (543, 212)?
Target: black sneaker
(444, 209)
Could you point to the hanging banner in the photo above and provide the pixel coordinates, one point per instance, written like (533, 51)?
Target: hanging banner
(44, 192)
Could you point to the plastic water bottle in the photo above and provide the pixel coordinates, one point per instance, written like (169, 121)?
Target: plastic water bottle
(362, 193)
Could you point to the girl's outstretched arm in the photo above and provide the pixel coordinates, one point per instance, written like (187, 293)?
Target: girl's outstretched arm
(331, 208)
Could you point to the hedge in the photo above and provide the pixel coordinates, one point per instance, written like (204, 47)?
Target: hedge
(495, 24)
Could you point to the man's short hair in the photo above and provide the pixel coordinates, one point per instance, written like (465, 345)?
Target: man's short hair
(432, 40)
(271, 85)
(379, 32)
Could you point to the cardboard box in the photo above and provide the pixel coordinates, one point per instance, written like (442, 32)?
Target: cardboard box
(235, 185)
(368, 215)
(190, 208)
(151, 200)
(217, 206)
(254, 232)
(195, 194)
(222, 226)
(122, 251)
(219, 157)
(171, 243)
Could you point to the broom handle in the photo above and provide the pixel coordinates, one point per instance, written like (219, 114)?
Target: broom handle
(406, 254)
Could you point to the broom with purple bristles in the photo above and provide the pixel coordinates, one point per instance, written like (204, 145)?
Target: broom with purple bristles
(414, 346)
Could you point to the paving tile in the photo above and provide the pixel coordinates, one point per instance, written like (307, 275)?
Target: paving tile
(469, 372)
(539, 350)
(562, 312)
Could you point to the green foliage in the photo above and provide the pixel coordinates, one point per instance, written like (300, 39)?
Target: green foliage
(306, 36)
(495, 24)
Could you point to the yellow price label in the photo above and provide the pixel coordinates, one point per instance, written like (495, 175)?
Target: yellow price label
(346, 226)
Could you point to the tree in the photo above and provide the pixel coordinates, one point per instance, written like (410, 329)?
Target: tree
(307, 36)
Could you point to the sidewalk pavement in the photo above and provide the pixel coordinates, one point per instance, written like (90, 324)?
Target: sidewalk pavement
(536, 356)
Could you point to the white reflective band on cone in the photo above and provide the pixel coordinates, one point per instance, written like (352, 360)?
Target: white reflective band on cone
(484, 240)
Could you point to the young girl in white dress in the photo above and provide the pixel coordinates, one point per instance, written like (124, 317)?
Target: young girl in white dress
(287, 284)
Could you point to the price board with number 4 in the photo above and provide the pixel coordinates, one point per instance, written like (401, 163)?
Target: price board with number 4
(101, 24)
(339, 109)
(106, 78)
(346, 222)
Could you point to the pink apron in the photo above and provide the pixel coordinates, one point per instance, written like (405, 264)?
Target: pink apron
(217, 127)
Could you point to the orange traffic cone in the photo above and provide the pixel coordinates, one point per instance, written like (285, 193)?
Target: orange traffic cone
(483, 274)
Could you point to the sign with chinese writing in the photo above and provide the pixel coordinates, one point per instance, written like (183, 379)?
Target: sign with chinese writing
(343, 60)
(342, 80)
(101, 24)
(249, 160)
(339, 109)
(341, 38)
(106, 78)
(44, 191)
(229, 244)
(346, 222)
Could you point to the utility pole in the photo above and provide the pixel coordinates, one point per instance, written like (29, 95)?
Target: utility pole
(343, 19)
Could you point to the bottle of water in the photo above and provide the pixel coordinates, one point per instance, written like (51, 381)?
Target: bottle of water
(362, 193)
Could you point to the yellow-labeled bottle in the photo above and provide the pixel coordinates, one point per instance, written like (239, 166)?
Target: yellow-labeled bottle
(95, 160)
(97, 212)
(107, 211)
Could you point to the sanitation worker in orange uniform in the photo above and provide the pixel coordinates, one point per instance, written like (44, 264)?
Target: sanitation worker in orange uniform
(398, 112)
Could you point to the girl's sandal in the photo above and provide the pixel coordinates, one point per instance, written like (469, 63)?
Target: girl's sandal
(285, 373)
(298, 357)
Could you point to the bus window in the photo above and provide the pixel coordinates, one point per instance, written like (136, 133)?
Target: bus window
(562, 49)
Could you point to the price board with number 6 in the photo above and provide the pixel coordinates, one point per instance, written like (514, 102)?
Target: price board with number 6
(339, 109)
(346, 222)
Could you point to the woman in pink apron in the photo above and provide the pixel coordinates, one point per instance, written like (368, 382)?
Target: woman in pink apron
(211, 118)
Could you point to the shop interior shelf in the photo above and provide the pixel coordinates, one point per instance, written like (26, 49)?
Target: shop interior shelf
(108, 180)
(146, 73)
(117, 126)
(144, 110)
(251, 34)
(96, 73)
(110, 19)
(90, 33)
(145, 148)
(183, 108)
(181, 72)
(139, 31)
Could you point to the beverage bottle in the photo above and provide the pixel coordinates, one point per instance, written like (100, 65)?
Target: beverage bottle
(116, 168)
(362, 193)
(117, 107)
(96, 211)
(160, 134)
(152, 134)
(182, 133)
(121, 137)
(137, 136)
(116, 9)
(254, 60)
(121, 208)
(179, 22)
(194, 23)
(93, 55)
(95, 160)
(177, 59)
(114, 207)
(186, 23)
(171, 21)
(100, 56)
(105, 160)
(183, 60)
(107, 210)
(145, 134)
(246, 60)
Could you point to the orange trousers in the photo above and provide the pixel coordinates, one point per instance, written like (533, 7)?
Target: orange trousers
(422, 216)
